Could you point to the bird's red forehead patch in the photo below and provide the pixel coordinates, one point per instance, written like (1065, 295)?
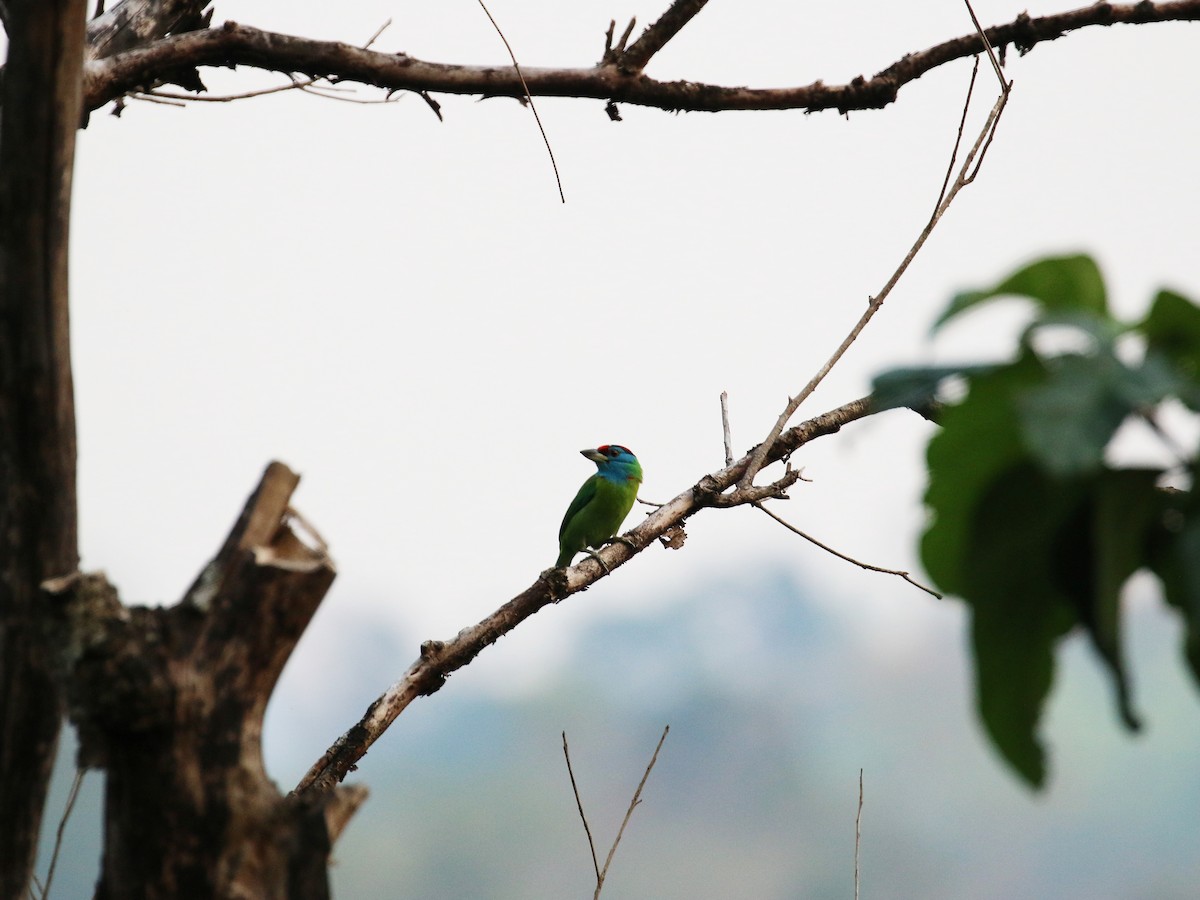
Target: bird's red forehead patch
(604, 448)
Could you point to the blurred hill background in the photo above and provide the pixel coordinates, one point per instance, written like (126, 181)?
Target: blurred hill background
(775, 702)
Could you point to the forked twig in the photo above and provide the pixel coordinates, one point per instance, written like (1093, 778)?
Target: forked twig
(862, 565)
(966, 175)
(962, 123)
(601, 874)
(528, 97)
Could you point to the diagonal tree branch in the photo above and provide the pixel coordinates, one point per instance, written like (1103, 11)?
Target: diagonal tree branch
(233, 44)
(439, 659)
(656, 36)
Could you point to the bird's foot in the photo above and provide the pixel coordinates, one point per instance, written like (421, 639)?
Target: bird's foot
(596, 556)
(621, 539)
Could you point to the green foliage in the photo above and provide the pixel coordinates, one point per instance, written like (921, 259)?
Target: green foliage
(1071, 283)
(1031, 525)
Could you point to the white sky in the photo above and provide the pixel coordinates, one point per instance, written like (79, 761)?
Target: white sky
(403, 311)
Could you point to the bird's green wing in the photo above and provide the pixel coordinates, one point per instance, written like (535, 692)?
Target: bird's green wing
(586, 492)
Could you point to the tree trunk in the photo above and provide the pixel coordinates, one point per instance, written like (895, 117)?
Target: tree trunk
(170, 702)
(41, 109)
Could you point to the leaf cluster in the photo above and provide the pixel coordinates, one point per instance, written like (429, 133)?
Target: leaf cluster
(1031, 523)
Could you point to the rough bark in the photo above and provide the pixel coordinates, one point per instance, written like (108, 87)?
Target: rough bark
(132, 23)
(41, 108)
(618, 78)
(170, 703)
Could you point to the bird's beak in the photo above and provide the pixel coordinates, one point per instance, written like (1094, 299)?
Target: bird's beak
(594, 455)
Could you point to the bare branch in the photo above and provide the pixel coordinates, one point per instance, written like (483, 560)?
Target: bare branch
(297, 84)
(753, 494)
(862, 565)
(966, 176)
(656, 36)
(439, 659)
(233, 44)
(133, 23)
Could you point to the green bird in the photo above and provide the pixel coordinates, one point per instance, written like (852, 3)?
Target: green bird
(602, 503)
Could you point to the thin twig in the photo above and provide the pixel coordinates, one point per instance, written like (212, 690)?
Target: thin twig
(986, 144)
(987, 45)
(626, 33)
(221, 98)
(876, 302)
(62, 825)
(325, 92)
(528, 97)
(725, 428)
(380, 30)
(164, 100)
(629, 812)
(579, 804)
(962, 123)
(858, 831)
(862, 565)
(322, 91)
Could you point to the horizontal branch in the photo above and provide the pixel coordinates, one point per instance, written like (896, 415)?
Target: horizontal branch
(233, 44)
(439, 659)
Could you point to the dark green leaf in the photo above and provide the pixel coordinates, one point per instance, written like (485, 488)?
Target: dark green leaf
(1056, 284)
(1124, 506)
(1175, 559)
(1172, 329)
(979, 439)
(1018, 612)
(915, 388)
(1068, 419)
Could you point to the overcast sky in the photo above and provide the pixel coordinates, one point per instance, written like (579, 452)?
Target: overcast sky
(404, 312)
